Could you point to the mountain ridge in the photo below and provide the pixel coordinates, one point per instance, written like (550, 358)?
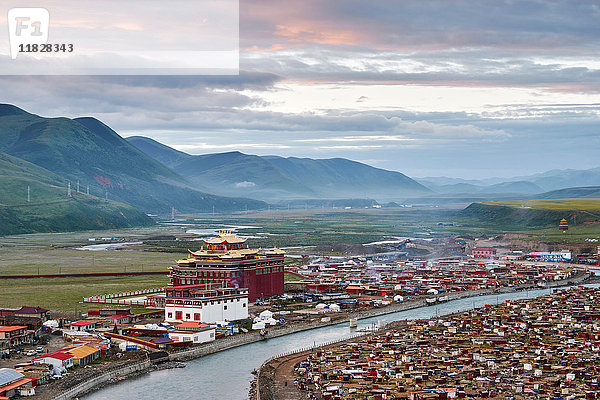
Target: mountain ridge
(87, 150)
(277, 178)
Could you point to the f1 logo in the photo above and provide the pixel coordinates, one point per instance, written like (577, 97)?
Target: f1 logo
(27, 26)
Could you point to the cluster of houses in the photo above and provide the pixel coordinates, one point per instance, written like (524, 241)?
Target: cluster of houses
(193, 314)
(411, 278)
(24, 377)
(523, 349)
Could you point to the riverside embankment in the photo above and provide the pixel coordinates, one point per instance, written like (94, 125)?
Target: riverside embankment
(210, 363)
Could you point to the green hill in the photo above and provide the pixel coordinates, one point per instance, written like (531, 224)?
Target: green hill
(533, 214)
(87, 150)
(49, 208)
(277, 178)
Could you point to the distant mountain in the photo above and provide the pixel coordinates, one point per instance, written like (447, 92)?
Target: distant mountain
(513, 187)
(276, 178)
(566, 178)
(518, 187)
(572, 193)
(87, 150)
(529, 184)
(49, 208)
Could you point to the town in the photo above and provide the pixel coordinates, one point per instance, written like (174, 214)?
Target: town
(228, 295)
(537, 348)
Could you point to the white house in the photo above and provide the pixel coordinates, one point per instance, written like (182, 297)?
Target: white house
(193, 332)
(59, 360)
(191, 303)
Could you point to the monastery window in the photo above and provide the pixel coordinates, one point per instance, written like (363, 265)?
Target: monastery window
(187, 316)
(197, 316)
(170, 315)
(225, 308)
(244, 305)
(178, 314)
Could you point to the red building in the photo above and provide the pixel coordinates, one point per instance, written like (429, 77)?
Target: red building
(227, 263)
(484, 252)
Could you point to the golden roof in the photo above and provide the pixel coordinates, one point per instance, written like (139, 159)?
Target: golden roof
(225, 237)
(275, 251)
(237, 253)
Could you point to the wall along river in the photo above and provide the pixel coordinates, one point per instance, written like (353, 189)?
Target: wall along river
(227, 374)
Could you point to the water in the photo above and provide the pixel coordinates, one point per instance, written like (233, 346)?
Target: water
(227, 375)
(106, 246)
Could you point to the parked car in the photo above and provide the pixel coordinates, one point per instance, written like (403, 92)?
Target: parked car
(31, 353)
(40, 349)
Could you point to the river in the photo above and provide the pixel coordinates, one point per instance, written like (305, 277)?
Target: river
(227, 374)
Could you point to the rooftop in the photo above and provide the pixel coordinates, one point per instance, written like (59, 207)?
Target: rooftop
(8, 375)
(11, 328)
(31, 310)
(59, 355)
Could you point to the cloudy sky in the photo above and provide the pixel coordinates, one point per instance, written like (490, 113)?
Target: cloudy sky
(467, 89)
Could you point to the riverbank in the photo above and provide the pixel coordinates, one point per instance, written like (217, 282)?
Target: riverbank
(463, 352)
(236, 341)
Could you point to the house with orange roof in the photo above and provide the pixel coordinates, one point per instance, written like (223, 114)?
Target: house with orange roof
(83, 355)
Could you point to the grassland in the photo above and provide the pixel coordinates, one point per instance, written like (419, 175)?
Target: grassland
(55, 253)
(575, 234)
(556, 204)
(45, 261)
(540, 218)
(291, 278)
(66, 293)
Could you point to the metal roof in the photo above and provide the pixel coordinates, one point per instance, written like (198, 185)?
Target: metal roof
(8, 375)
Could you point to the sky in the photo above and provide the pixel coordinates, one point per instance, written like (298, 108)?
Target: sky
(469, 89)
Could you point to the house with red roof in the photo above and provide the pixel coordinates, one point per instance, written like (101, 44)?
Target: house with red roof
(58, 359)
(84, 326)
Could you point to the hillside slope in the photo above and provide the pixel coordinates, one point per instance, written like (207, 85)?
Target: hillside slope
(519, 215)
(49, 208)
(276, 178)
(86, 150)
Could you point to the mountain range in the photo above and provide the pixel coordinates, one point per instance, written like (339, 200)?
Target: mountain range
(529, 184)
(272, 178)
(88, 151)
(121, 180)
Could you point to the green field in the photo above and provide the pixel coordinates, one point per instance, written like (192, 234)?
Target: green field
(575, 234)
(307, 230)
(582, 215)
(66, 293)
(556, 204)
(44, 261)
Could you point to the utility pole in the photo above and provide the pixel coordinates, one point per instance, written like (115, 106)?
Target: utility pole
(106, 194)
(78, 186)
(28, 194)
(213, 211)
(87, 191)
(172, 213)
(69, 189)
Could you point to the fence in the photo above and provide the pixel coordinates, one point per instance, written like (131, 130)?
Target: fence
(116, 298)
